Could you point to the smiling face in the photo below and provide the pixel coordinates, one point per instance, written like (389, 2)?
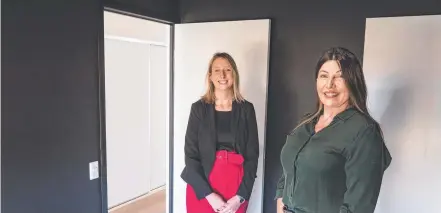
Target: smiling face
(222, 74)
(331, 87)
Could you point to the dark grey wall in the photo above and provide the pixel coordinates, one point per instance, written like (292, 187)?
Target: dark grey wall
(50, 123)
(50, 101)
(166, 10)
(300, 31)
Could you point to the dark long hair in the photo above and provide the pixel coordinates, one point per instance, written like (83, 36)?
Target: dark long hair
(352, 73)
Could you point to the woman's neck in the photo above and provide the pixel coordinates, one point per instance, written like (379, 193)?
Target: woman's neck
(223, 96)
(331, 112)
(224, 100)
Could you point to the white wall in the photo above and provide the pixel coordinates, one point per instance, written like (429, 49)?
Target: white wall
(248, 43)
(136, 88)
(0, 111)
(122, 26)
(402, 64)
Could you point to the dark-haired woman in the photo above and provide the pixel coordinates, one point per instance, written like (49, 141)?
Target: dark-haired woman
(334, 160)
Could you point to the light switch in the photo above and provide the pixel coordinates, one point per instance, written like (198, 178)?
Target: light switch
(94, 170)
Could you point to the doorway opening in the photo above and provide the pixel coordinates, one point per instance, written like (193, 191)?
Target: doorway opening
(137, 94)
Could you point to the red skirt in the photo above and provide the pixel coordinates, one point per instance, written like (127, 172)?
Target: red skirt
(224, 179)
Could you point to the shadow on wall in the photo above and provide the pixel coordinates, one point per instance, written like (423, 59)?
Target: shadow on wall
(255, 79)
(395, 123)
(394, 117)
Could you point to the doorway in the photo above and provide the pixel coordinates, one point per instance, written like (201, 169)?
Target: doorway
(136, 53)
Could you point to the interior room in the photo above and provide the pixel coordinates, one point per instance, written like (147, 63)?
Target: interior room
(96, 95)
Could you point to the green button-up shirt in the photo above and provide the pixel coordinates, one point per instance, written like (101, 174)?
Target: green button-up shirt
(336, 170)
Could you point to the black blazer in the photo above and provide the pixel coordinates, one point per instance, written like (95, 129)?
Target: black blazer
(200, 146)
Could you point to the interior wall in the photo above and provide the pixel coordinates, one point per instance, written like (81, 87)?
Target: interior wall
(300, 32)
(0, 108)
(403, 82)
(50, 105)
(136, 85)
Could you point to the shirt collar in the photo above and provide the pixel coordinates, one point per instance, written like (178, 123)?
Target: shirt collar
(346, 114)
(343, 116)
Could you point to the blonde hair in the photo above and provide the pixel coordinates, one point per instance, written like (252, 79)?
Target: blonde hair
(209, 96)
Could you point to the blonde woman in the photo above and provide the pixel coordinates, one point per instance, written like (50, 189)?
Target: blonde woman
(221, 144)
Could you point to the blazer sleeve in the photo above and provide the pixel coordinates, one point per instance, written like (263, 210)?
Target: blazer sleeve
(366, 160)
(193, 172)
(251, 155)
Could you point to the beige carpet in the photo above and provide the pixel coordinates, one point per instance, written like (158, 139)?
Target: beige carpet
(154, 203)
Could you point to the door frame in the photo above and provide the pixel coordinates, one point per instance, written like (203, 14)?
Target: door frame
(102, 108)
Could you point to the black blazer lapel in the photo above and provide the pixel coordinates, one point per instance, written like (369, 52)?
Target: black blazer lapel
(235, 117)
(211, 116)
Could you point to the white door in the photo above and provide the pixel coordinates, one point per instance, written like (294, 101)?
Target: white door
(127, 120)
(195, 43)
(159, 75)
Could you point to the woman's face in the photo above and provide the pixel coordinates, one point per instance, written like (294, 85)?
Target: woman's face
(331, 87)
(222, 74)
